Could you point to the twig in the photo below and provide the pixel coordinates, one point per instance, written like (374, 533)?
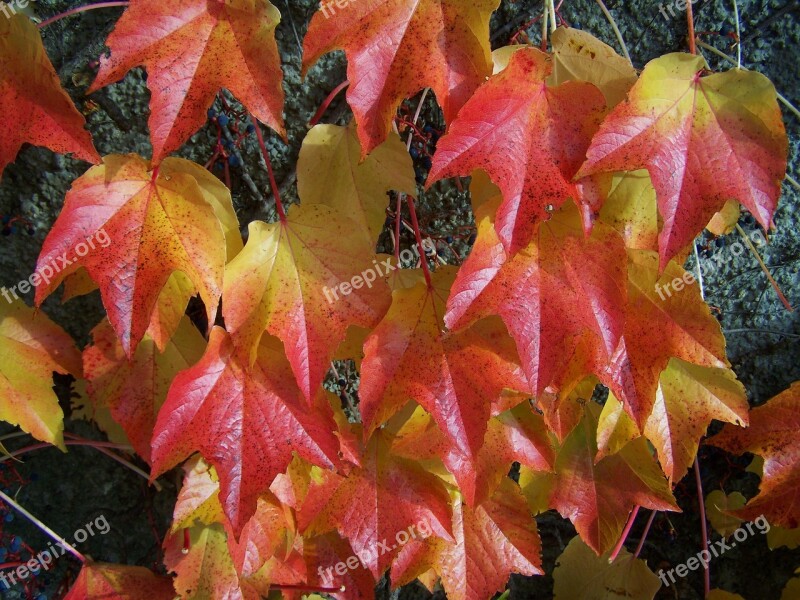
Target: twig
(765, 331)
(644, 533)
(690, 25)
(617, 32)
(273, 184)
(764, 268)
(703, 526)
(50, 533)
(738, 35)
(80, 9)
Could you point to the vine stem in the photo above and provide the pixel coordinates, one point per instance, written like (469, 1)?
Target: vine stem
(764, 268)
(617, 32)
(551, 6)
(423, 257)
(273, 184)
(624, 535)
(80, 9)
(690, 25)
(703, 527)
(738, 35)
(327, 102)
(644, 533)
(50, 533)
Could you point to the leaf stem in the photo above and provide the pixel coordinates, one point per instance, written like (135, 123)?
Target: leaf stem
(764, 268)
(273, 184)
(703, 527)
(327, 102)
(690, 25)
(423, 256)
(623, 537)
(644, 533)
(8, 500)
(551, 6)
(80, 9)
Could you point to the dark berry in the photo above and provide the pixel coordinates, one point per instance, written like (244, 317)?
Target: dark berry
(250, 128)
(8, 517)
(5, 220)
(342, 382)
(223, 120)
(719, 242)
(233, 160)
(471, 239)
(449, 239)
(211, 113)
(414, 152)
(30, 231)
(426, 162)
(3, 554)
(16, 544)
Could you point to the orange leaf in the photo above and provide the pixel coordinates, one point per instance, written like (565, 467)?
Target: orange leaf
(192, 49)
(772, 435)
(37, 109)
(119, 582)
(130, 228)
(396, 48)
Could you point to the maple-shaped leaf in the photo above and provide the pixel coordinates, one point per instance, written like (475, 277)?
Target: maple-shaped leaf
(369, 506)
(31, 348)
(598, 498)
(630, 208)
(491, 541)
(135, 389)
(717, 504)
(204, 569)
(579, 56)
(191, 49)
(666, 318)
(454, 376)
(246, 421)
(563, 409)
(558, 294)
(396, 48)
(582, 575)
(688, 399)
(772, 435)
(38, 110)
(322, 554)
(329, 172)
(516, 435)
(130, 228)
(119, 582)
(704, 140)
(289, 281)
(530, 139)
(268, 533)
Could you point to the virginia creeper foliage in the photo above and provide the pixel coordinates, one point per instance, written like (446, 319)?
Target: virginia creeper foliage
(589, 184)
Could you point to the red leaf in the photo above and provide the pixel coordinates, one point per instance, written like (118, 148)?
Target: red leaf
(528, 137)
(119, 582)
(192, 49)
(245, 422)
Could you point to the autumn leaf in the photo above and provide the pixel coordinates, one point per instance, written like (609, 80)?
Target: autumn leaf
(598, 497)
(630, 208)
(135, 389)
(515, 435)
(373, 504)
(455, 376)
(134, 227)
(688, 399)
(323, 554)
(562, 297)
(582, 575)
(329, 172)
(198, 499)
(37, 109)
(670, 311)
(772, 435)
(191, 49)
(288, 281)
(119, 582)
(246, 421)
(530, 139)
(491, 541)
(717, 504)
(704, 140)
(206, 569)
(32, 347)
(396, 48)
(579, 56)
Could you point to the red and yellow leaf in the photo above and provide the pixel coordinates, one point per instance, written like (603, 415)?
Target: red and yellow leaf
(191, 49)
(119, 582)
